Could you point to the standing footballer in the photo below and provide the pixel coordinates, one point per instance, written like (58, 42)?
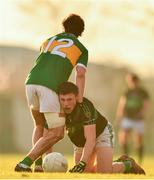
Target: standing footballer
(59, 55)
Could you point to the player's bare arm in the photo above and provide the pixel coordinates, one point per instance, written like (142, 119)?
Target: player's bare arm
(90, 135)
(80, 81)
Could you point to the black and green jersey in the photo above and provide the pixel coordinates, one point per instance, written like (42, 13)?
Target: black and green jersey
(59, 55)
(134, 103)
(83, 114)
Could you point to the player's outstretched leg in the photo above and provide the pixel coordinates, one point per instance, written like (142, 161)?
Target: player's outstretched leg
(135, 168)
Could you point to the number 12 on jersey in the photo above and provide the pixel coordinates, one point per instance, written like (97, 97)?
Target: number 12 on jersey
(54, 46)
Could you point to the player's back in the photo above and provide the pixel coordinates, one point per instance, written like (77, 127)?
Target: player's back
(59, 54)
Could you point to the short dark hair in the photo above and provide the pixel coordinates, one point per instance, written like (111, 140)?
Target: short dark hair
(134, 77)
(68, 87)
(73, 24)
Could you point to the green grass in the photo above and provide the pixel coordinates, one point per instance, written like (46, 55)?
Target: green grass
(8, 162)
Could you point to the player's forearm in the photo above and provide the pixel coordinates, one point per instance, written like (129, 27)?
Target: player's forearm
(119, 116)
(87, 151)
(80, 82)
(120, 109)
(145, 106)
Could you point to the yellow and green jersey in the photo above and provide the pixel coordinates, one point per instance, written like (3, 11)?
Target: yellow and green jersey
(59, 55)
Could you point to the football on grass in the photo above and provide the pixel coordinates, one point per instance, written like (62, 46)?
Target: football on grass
(55, 162)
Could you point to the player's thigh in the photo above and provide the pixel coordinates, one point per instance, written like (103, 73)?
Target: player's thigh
(106, 138)
(123, 136)
(34, 105)
(38, 117)
(54, 120)
(138, 139)
(104, 159)
(32, 97)
(104, 150)
(49, 105)
(125, 130)
(48, 99)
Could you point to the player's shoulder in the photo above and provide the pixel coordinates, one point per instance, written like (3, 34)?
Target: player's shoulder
(144, 92)
(74, 38)
(86, 100)
(66, 35)
(87, 103)
(86, 107)
(142, 89)
(125, 92)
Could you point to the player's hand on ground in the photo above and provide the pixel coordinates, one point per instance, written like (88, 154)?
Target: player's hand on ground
(79, 168)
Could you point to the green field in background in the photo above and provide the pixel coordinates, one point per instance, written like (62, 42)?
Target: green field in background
(8, 162)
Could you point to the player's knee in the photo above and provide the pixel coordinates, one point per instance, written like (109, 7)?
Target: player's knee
(60, 136)
(38, 118)
(54, 121)
(39, 126)
(59, 133)
(55, 135)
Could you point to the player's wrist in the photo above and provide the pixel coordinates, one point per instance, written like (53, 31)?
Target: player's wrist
(83, 163)
(80, 167)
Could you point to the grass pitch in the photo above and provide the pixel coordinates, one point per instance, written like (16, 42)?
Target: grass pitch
(8, 162)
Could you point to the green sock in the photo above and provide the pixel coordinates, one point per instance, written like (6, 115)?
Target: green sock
(38, 162)
(27, 161)
(128, 166)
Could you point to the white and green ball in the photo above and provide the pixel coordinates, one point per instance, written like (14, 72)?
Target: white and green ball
(55, 162)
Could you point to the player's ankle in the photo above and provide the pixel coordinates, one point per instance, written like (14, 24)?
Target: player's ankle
(128, 166)
(27, 161)
(38, 162)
